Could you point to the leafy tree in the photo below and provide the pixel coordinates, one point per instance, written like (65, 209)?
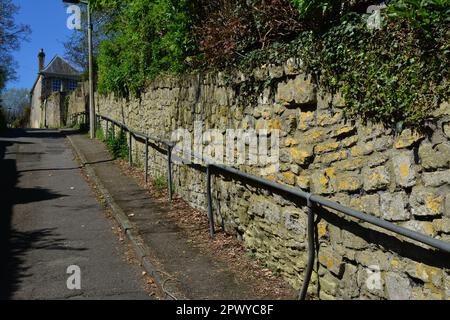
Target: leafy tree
(15, 100)
(11, 34)
(147, 37)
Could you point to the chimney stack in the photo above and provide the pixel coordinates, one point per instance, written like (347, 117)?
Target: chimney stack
(41, 59)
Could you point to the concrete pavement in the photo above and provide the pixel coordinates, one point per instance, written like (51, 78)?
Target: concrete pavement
(49, 220)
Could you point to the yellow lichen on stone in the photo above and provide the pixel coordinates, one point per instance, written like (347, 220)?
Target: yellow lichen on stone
(303, 181)
(404, 170)
(301, 154)
(290, 142)
(407, 138)
(289, 177)
(326, 147)
(433, 203)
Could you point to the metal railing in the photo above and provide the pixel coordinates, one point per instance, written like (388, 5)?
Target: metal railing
(311, 199)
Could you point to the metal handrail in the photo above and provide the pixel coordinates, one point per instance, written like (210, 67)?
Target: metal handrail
(309, 197)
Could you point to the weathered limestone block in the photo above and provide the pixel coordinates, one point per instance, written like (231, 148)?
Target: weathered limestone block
(352, 241)
(326, 100)
(362, 149)
(275, 72)
(369, 204)
(398, 286)
(377, 159)
(314, 135)
(434, 156)
(442, 225)
(343, 131)
(376, 178)
(332, 157)
(436, 179)
(424, 273)
(393, 206)
(348, 286)
(289, 178)
(326, 147)
(306, 120)
(301, 154)
(300, 90)
(446, 128)
(382, 143)
(264, 208)
(370, 282)
(424, 227)
(303, 181)
(328, 285)
(404, 171)
(350, 141)
(350, 164)
(327, 118)
(321, 181)
(295, 221)
(347, 181)
(331, 260)
(426, 202)
(407, 138)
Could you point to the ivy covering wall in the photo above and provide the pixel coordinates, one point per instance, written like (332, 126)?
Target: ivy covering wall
(397, 73)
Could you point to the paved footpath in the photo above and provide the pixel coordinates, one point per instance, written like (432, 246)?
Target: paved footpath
(196, 274)
(49, 220)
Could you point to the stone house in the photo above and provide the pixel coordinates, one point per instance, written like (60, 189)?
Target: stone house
(52, 84)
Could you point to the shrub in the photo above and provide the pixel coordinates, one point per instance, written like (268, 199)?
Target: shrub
(117, 145)
(147, 37)
(225, 29)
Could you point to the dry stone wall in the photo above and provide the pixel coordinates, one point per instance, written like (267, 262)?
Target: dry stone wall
(402, 177)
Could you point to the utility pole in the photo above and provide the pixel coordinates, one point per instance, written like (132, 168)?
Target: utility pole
(91, 67)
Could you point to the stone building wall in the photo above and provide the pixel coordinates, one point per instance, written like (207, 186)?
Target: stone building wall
(402, 177)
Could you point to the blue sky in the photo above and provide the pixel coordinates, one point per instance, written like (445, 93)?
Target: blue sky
(47, 19)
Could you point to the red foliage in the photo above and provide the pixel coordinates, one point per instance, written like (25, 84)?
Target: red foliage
(226, 28)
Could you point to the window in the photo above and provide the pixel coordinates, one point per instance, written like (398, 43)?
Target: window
(56, 85)
(72, 85)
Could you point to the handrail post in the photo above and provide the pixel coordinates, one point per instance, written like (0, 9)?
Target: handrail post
(130, 148)
(107, 130)
(209, 199)
(113, 126)
(146, 160)
(169, 170)
(311, 252)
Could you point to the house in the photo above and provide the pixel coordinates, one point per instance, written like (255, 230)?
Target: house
(48, 94)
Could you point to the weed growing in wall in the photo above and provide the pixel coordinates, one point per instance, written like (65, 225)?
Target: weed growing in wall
(117, 145)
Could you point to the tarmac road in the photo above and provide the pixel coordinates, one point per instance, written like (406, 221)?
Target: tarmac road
(50, 220)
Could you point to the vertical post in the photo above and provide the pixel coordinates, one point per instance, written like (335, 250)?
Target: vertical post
(146, 160)
(311, 252)
(130, 148)
(107, 130)
(209, 198)
(91, 76)
(113, 130)
(169, 171)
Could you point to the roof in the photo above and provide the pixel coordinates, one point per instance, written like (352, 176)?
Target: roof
(58, 67)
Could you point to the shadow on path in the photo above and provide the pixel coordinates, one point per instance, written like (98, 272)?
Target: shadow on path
(14, 244)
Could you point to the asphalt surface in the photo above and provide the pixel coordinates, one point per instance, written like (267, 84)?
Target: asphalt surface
(50, 220)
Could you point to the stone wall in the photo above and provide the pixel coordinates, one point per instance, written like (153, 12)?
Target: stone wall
(54, 110)
(402, 177)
